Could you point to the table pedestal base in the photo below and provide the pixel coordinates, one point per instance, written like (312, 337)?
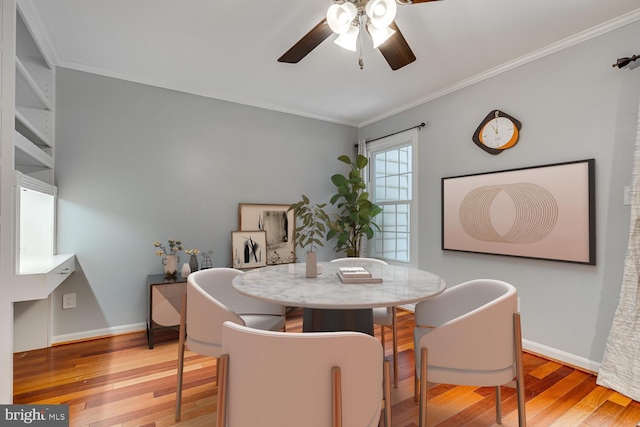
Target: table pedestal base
(332, 320)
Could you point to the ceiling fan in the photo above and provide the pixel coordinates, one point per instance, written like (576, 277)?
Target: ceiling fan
(346, 18)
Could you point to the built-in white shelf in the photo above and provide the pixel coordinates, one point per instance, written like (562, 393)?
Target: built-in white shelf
(30, 155)
(34, 126)
(28, 92)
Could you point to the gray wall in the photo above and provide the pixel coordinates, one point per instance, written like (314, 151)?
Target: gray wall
(573, 105)
(136, 164)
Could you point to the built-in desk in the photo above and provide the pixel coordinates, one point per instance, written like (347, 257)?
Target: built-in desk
(163, 304)
(38, 277)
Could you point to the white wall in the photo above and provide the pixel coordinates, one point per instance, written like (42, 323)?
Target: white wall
(136, 164)
(573, 105)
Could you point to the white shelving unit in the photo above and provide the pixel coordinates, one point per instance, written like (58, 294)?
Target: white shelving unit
(34, 109)
(36, 267)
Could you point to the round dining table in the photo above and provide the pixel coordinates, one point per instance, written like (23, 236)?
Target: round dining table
(330, 305)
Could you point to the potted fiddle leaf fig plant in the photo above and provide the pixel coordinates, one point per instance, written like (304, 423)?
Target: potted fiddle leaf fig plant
(354, 219)
(311, 229)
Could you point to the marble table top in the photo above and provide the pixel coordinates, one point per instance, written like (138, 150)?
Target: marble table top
(286, 284)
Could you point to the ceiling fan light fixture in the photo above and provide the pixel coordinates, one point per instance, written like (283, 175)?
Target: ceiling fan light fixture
(381, 13)
(340, 16)
(379, 35)
(348, 40)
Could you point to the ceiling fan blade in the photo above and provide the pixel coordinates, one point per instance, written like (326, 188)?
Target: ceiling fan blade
(404, 2)
(306, 44)
(396, 50)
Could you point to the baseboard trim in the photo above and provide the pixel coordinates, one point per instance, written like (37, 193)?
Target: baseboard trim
(548, 352)
(561, 356)
(97, 333)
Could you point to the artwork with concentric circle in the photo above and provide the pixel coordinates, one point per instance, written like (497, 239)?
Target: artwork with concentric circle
(545, 212)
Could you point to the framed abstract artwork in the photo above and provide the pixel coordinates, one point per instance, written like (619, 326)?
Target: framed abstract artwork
(544, 212)
(278, 225)
(248, 249)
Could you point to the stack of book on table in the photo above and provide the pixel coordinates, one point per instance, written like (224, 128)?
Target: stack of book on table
(357, 275)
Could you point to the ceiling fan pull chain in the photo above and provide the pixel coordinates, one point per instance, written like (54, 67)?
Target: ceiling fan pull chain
(361, 20)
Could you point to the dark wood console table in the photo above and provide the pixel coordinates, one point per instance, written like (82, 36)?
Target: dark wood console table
(163, 303)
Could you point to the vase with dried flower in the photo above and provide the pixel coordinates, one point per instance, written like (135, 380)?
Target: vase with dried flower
(193, 259)
(170, 258)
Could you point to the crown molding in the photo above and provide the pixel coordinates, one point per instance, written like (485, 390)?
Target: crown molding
(535, 55)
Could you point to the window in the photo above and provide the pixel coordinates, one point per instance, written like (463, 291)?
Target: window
(392, 182)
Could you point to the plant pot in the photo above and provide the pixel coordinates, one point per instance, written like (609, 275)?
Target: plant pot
(312, 264)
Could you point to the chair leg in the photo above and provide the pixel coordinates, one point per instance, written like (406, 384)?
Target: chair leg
(223, 371)
(183, 334)
(217, 372)
(382, 340)
(387, 393)
(498, 405)
(422, 422)
(336, 395)
(394, 336)
(522, 417)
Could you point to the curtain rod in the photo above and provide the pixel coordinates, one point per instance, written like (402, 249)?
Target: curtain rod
(419, 127)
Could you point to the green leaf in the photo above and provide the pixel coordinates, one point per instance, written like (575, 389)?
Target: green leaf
(361, 161)
(339, 180)
(344, 158)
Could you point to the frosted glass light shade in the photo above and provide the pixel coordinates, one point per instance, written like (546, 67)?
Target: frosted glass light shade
(339, 17)
(349, 40)
(379, 35)
(381, 12)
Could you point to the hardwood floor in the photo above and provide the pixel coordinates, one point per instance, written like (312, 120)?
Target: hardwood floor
(118, 381)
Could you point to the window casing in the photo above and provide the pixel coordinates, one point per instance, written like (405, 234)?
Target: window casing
(392, 178)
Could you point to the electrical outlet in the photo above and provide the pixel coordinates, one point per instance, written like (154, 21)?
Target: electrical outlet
(68, 301)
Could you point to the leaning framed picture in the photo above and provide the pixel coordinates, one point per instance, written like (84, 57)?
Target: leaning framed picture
(277, 222)
(544, 212)
(249, 249)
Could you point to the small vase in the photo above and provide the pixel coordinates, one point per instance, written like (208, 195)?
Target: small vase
(186, 270)
(312, 264)
(170, 263)
(193, 263)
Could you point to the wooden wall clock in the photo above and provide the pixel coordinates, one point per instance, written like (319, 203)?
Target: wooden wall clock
(497, 132)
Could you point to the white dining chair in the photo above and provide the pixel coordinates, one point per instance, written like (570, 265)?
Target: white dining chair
(301, 379)
(383, 316)
(209, 302)
(470, 335)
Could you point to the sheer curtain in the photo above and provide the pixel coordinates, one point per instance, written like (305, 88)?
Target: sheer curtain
(362, 147)
(620, 368)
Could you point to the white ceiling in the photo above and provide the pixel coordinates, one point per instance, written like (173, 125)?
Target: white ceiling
(228, 50)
